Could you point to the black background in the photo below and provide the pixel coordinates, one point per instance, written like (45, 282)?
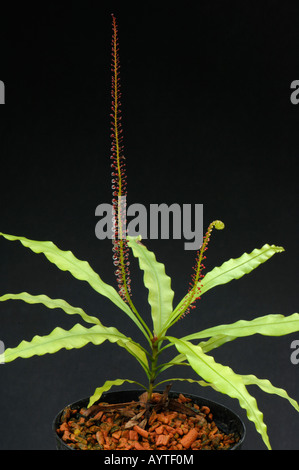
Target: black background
(207, 118)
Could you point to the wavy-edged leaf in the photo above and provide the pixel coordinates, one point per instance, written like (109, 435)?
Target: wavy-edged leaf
(224, 380)
(202, 383)
(107, 385)
(75, 338)
(66, 261)
(206, 346)
(160, 295)
(266, 386)
(215, 342)
(268, 325)
(51, 303)
(234, 268)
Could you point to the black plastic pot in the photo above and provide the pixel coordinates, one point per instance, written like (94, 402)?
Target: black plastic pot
(226, 420)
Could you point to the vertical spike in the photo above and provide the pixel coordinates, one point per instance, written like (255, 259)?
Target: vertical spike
(119, 183)
(195, 286)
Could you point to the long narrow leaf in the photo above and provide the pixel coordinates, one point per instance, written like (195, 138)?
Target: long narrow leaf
(266, 386)
(51, 303)
(66, 261)
(202, 383)
(160, 295)
(75, 338)
(215, 342)
(236, 268)
(224, 380)
(206, 346)
(107, 385)
(233, 269)
(268, 325)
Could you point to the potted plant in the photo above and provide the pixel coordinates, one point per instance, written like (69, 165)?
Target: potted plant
(144, 419)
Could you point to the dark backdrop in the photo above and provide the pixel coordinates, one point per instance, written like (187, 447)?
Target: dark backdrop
(207, 119)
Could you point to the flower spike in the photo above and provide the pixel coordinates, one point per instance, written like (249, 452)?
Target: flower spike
(119, 184)
(195, 285)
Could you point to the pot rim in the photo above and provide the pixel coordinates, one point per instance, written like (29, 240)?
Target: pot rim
(196, 398)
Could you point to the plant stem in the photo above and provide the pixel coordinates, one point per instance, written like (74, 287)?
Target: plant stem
(153, 372)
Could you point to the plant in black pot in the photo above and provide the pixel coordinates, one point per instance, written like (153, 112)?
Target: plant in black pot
(147, 419)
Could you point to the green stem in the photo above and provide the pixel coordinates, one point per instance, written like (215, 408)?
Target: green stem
(153, 373)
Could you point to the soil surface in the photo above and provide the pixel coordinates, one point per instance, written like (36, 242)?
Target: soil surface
(162, 424)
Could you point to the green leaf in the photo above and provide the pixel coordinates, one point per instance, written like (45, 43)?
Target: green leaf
(232, 269)
(224, 380)
(268, 325)
(66, 261)
(215, 342)
(266, 386)
(236, 268)
(107, 385)
(177, 360)
(206, 346)
(158, 283)
(76, 337)
(51, 303)
(202, 383)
